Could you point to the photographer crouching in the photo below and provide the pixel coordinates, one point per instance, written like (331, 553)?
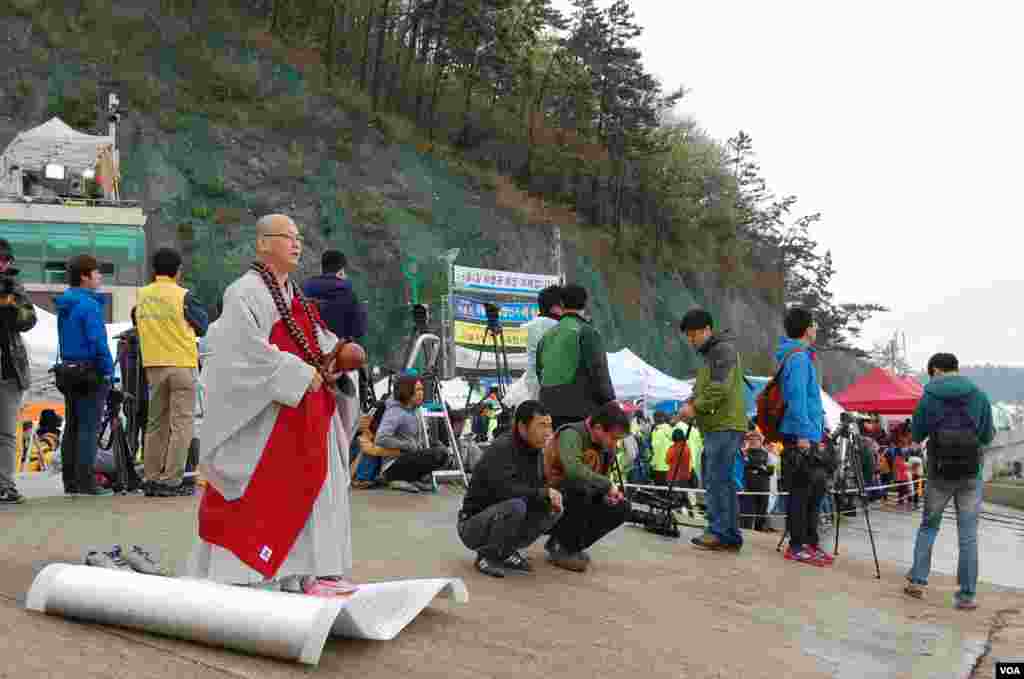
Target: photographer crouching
(507, 505)
(17, 315)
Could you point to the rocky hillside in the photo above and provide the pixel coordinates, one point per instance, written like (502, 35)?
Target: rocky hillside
(220, 130)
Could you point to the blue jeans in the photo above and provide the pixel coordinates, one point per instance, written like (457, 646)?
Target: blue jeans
(81, 439)
(718, 464)
(966, 495)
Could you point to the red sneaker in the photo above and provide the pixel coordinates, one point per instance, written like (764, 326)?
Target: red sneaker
(821, 555)
(804, 555)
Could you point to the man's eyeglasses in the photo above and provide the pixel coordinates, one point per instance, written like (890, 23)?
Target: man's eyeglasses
(295, 239)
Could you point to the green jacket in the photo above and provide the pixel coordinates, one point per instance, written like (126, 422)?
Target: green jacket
(572, 368)
(719, 395)
(572, 441)
(930, 408)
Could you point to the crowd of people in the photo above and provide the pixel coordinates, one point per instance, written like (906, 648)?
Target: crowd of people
(284, 435)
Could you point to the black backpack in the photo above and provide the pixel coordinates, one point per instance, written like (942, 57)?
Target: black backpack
(953, 445)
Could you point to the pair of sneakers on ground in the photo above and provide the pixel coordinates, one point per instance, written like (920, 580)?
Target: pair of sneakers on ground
(809, 554)
(135, 558)
(518, 564)
(917, 590)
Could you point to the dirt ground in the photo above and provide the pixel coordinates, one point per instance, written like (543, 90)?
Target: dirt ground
(649, 607)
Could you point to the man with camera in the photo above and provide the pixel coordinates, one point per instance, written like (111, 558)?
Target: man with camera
(578, 462)
(508, 505)
(17, 315)
(87, 369)
(169, 318)
(805, 459)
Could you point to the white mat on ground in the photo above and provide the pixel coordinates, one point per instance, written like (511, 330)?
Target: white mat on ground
(287, 626)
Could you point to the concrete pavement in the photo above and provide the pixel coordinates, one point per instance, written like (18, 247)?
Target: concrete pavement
(649, 607)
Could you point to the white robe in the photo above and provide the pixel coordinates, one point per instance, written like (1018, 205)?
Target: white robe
(246, 379)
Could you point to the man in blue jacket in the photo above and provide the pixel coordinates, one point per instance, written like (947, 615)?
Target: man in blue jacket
(956, 418)
(83, 339)
(332, 291)
(802, 427)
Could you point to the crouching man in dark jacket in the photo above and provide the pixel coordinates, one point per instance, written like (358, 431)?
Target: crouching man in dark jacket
(508, 506)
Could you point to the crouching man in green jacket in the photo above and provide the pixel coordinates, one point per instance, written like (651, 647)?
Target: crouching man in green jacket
(577, 463)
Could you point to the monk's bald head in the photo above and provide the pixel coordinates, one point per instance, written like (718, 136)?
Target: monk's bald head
(270, 224)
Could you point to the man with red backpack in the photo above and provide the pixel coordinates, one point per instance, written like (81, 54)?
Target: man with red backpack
(802, 429)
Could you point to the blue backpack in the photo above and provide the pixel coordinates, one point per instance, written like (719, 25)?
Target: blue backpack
(954, 445)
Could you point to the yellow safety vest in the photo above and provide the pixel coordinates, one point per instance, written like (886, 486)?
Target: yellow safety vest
(165, 337)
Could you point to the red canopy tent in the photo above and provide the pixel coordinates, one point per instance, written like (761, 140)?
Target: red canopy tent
(881, 392)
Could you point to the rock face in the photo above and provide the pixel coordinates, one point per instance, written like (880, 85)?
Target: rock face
(385, 204)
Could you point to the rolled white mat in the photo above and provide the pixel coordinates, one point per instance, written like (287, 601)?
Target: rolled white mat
(280, 625)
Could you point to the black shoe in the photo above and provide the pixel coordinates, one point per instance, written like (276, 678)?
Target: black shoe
(488, 568)
(517, 563)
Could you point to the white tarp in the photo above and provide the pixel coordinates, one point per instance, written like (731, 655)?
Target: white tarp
(54, 141)
(41, 341)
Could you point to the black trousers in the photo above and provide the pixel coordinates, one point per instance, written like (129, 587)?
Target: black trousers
(586, 517)
(807, 485)
(415, 465)
(755, 504)
(504, 528)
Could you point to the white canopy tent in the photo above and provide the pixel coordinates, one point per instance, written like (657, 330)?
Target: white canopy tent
(52, 142)
(41, 341)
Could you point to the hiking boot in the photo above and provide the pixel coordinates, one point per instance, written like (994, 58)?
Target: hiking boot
(487, 567)
(570, 561)
(112, 559)
(517, 563)
(914, 589)
(11, 496)
(802, 555)
(142, 561)
(404, 486)
(711, 543)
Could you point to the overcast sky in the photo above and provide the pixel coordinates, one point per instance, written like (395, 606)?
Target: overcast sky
(899, 121)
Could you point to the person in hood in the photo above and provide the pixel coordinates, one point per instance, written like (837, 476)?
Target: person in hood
(956, 419)
(400, 430)
(332, 291)
(718, 406)
(17, 315)
(802, 428)
(83, 339)
(508, 505)
(572, 365)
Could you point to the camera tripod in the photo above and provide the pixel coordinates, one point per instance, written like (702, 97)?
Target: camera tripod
(494, 340)
(431, 347)
(845, 440)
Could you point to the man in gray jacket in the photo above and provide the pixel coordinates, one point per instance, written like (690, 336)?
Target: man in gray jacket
(17, 315)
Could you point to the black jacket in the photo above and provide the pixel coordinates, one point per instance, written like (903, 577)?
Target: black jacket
(341, 311)
(15, 320)
(509, 469)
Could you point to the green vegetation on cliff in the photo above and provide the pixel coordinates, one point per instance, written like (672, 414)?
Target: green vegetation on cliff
(395, 129)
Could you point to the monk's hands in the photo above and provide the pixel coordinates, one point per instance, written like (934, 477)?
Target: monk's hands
(315, 383)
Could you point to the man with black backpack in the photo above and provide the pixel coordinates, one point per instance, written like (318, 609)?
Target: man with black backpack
(956, 419)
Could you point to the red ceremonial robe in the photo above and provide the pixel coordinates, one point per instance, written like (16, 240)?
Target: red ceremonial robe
(261, 526)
